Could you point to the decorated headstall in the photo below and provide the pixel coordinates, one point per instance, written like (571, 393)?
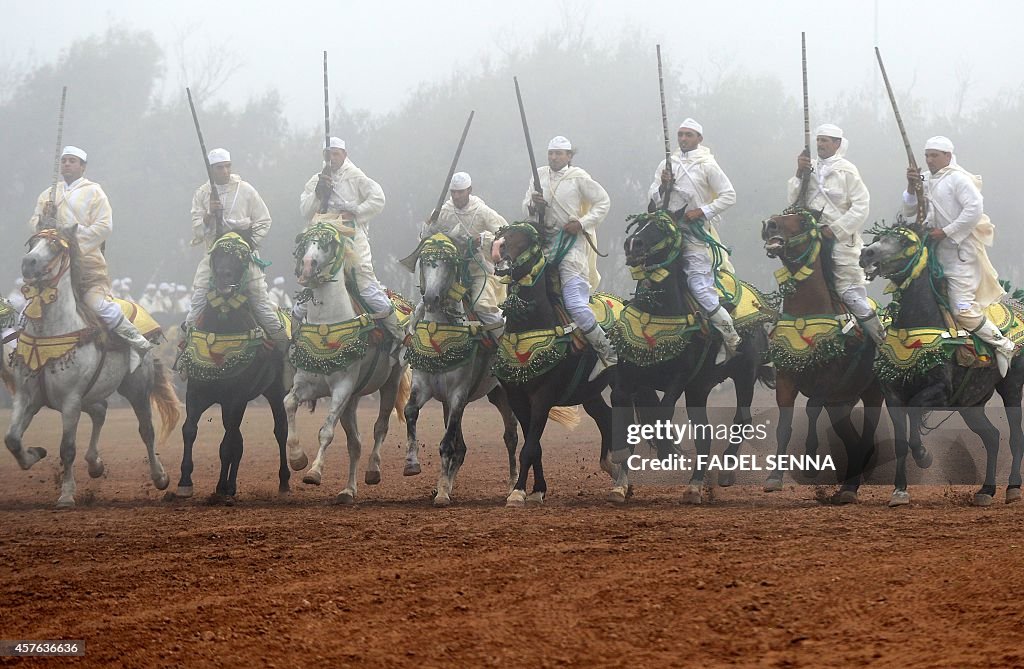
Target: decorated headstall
(439, 249)
(523, 270)
(44, 291)
(229, 245)
(809, 240)
(327, 236)
(668, 246)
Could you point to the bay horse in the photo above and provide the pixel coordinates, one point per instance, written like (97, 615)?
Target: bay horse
(817, 350)
(538, 365)
(918, 367)
(341, 354)
(64, 361)
(451, 360)
(230, 361)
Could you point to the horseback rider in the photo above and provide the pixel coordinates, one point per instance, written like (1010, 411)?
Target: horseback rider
(837, 191)
(243, 211)
(465, 215)
(960, 231)
(696, 179)
(352, 200)
(79, 201)
(573, 204)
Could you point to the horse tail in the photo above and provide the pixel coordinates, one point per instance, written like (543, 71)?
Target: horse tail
(766, 375)
(567, 416)
(402, 396)
(164, 400)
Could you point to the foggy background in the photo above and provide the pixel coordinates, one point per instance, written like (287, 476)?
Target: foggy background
(403, 80)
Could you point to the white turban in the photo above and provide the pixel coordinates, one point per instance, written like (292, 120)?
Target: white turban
(219, 156)
(150, 287)
(939, 143)
(116, 283)
(461, 181)
(829, 130)
(279, 281)
(74, 151)
(165, 287)
(127, 281)
(336, 143)
(559, 143)
(180, 288)
(692, 125)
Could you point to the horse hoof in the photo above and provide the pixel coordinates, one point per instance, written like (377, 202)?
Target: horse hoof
(693, 495)
(284, 491)
(66, 502)
(899, 498)
(982, 499)
(161, 482)
(773, 485)
(847, 497)
(516, 499)
(535, 499)
(1012, 495)
(345, 499)
(229, 500)
(442, 500)
(411, 470)
(96, 469)
(298, 464)
(726, 479)
(617, 496)
(33, 455)
(184, 491)
(924, 461)
(312, 478)
(620, 456)
(372, 478)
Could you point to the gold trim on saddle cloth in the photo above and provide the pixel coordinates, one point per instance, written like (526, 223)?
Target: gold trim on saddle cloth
(523, 356)
(324, 348)
(644, 339)
(218, 350)
(37, 352)
(439, 347)
(799, 343)
(607, 308)
(139, 317)
(749, 304)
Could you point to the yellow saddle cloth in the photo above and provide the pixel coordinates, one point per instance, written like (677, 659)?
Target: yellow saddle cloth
(526, 355)
(325, 348)
(749, 306)
(607, 308)
(439, 347)
(139, 317)
(644, 339)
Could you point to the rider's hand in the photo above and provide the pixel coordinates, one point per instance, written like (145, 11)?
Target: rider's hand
(573, 227)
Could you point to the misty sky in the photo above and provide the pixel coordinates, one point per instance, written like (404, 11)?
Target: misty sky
(379, 54)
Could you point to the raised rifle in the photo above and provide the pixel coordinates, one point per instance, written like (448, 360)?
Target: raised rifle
(805, 176)
(922, 206)
(214, 196)
(56, 165)
(325, 200)
(409, 262)
(664, 132)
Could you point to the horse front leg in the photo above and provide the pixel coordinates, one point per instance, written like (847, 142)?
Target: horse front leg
(341, 396)
(144, 414)
(24, 409)
(785, 398)
(900, 420)
(388, 394)
(230, 452)
(979, 423)
(355, 447)
(599, 410)
(697, 413)
(743, 417)
(275, 397)
(70, 414)
(533, 418)
(418, 396)
(303, 389)
(97, 415)
(499, 398)
(452, 448)
(839, 415)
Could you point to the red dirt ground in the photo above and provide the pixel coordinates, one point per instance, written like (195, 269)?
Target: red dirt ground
(748, 579)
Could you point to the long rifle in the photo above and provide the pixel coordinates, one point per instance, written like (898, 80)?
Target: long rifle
(57, 151)
(664, 132)
(805, 178)
(529, 149)
(325, 200)
(214, 197)
(922, 206)
(409, 262)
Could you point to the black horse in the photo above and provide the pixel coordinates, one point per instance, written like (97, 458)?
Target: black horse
(937, 381)
(230, 362)
(542, 370)
(686, 361)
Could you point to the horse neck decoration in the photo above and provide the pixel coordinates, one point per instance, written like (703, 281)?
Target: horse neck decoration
(523, 268)
(321, 255)
(52, 308)
(900, 254)
(228, 308)
(795, 238)
(653, 254)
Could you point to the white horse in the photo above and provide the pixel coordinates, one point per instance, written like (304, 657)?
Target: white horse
(442, 267)
(338, 353)
(64, 362)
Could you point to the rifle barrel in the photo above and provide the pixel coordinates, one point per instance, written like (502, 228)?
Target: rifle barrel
(529, 149)
(664, 130)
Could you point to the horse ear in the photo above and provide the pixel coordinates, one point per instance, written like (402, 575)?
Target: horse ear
(68, 231)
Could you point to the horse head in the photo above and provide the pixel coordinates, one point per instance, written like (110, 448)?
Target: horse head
(442, 261)
(229, 260)
(655, 240)
(517, 250)
(791, 234)
(894, 253)
(320, 252)
(49, 255)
